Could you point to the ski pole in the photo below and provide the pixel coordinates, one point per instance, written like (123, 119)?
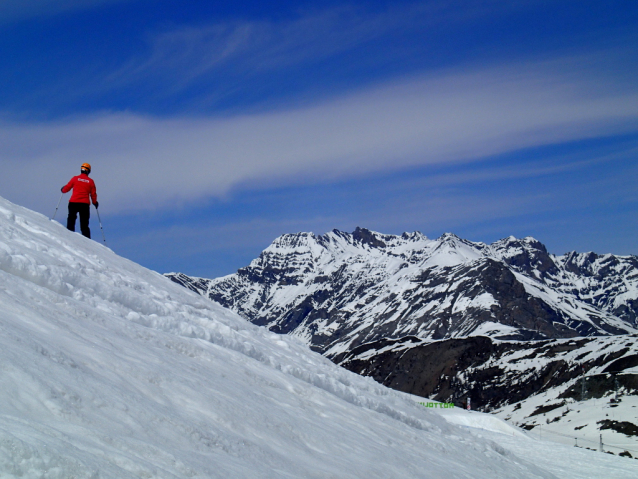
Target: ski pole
(56, 208)
(100, 220)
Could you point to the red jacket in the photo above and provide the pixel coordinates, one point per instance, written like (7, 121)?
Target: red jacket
(83, 187)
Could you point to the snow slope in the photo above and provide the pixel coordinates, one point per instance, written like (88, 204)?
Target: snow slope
(109, 370)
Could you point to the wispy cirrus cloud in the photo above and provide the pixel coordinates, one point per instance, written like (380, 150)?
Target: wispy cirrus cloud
(449, 116)
(182, 55)
(248, 48)
(236, 63)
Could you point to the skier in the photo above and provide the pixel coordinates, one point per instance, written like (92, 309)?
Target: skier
(83, 193)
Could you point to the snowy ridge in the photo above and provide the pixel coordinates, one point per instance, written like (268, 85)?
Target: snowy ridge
(600, 402)
(109, 370)
(341, 290)
(576, 389)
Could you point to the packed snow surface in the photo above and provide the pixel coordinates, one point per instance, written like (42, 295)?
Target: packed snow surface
(109, 370)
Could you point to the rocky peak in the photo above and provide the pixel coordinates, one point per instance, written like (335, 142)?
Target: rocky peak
(450, 238)
(367, 237)
(599, 266)
(414, 237)
(294, 241)
(527, 255)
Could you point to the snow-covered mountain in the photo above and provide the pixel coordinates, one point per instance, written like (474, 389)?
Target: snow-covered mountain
(109, 370)
(574, 389)
(341, 290)
(508, 325)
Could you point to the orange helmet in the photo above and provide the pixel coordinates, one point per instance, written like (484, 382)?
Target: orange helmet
(86, 166)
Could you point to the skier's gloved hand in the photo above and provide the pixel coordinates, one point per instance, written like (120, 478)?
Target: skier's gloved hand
(62, 189)
(96, 205)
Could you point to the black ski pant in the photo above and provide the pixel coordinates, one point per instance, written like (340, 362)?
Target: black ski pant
(85, 213)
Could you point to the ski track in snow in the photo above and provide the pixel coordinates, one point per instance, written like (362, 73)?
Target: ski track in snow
(109, 370)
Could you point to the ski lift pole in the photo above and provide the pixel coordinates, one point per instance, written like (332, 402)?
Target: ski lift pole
(56, 208)
(100, 220)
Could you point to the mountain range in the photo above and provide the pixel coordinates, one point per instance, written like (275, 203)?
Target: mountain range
(341, 290)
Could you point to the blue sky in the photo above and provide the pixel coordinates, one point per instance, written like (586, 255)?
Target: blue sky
(214, 127)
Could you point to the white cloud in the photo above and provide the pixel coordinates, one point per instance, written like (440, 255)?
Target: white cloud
(142, 162)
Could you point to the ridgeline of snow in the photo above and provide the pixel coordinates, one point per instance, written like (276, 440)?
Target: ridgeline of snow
(109, 370)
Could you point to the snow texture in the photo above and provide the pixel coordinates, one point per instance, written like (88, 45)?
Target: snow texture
(109, 370)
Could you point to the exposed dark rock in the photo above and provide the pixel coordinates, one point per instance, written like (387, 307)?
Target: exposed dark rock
(624, 427)
(546, 408)
(367, 237)
(477, 367)
(623, 363)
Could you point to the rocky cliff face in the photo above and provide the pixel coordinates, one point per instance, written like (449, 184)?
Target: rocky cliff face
(343, 290)
(495, 374)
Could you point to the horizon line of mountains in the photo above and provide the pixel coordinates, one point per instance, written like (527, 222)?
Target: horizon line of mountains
(407, 310)
(352, 288)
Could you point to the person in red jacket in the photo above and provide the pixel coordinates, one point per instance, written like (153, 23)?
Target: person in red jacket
(83, 193)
